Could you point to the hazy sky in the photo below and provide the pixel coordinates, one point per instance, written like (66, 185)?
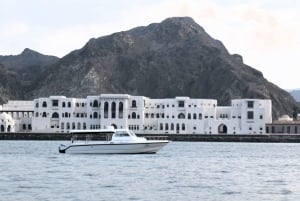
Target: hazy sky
(265, 32)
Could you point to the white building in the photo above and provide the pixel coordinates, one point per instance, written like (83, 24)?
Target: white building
(152, 116)
(16, 116)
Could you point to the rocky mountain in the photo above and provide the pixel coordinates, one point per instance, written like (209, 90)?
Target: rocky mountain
(296, 94)
(28, 58)
(9, 84)
(18, 73)
(173, 58)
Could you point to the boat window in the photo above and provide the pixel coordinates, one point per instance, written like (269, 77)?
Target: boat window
(121, 134)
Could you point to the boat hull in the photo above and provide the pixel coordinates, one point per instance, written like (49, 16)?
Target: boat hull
(114, 148)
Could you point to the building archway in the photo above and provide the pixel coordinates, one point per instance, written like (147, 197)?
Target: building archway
(181, 116)
(222, 129)
(114, 125)
(55, 115)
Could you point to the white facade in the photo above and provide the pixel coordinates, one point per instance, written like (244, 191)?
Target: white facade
(181, 115)
(16, 116)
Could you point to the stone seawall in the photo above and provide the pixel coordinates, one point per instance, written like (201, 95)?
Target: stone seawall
(284, 138)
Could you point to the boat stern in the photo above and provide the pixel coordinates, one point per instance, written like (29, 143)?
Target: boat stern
(62, 148)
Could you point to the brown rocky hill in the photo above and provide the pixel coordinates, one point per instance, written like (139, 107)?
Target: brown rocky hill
(173, 58)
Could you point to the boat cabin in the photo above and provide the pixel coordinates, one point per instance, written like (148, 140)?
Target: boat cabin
(124, 135)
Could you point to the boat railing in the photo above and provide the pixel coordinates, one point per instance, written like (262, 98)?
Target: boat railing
(109, 137)
(73, 138)
(90, 136)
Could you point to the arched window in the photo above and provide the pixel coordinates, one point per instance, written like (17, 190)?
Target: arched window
(69, 104)
(133, 115)
(44, 114)
(73, 126)
(36, 114)
(194, 116)
(133, 103)
(95, 103)
(113, 110)
(63, 104)
(120, 110)
(2, 128)
(36, 104)
(177, 127)
(222, 128)
(106, 110)
(181, 116)
(166, 127)
(44, 104)
(55, 115)
(95, 115)
(189, 115)
(62, 126)
(68, 125)
(172, 126)
(161, 126)
(84, 126)
(200, 115)
(183, 127)
(78, 126)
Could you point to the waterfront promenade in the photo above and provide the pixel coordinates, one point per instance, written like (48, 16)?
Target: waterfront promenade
(272, 138)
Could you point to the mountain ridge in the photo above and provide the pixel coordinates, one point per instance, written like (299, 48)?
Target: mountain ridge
(296, 94)
(18, 73)
(173, 58)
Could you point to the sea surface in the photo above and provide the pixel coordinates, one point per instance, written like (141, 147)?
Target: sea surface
(34, 170)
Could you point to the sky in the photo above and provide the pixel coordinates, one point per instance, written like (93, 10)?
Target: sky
(265, 32)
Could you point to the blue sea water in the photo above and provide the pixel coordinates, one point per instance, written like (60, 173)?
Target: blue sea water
(34, 170)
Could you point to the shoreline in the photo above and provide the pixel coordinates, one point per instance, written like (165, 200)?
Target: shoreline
(265, 138)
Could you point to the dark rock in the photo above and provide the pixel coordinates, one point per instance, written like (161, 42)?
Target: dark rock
(18, 73)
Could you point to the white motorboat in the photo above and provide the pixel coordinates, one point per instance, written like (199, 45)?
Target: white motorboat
(119, 141)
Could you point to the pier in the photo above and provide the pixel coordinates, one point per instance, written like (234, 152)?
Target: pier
(266, 138)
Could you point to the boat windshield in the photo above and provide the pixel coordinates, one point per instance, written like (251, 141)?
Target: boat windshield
(121, 134)
(132, 133)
